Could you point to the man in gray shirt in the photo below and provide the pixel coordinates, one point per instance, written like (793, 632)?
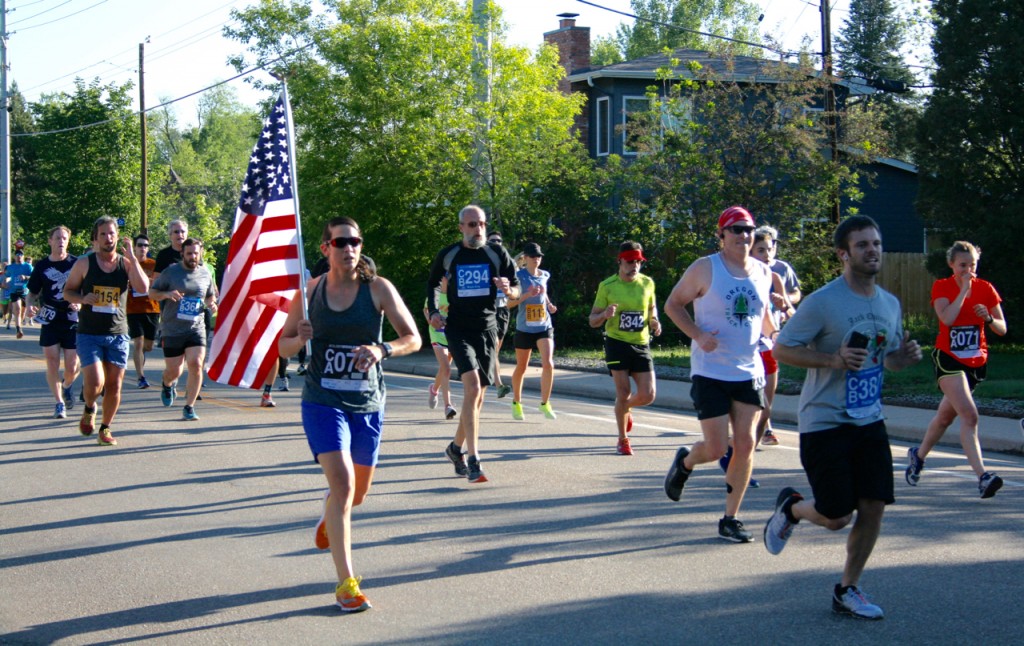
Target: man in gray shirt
(184, 290)
(845, 334)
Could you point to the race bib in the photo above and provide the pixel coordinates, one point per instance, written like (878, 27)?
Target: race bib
(473, 280)
(863, 392)
(965, 341)
(631, 321)
(340, 371)
(107, 299)
(536, 313)
(190, 308)
(46, 315)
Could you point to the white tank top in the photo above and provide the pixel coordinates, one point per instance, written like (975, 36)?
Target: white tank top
(733, 306)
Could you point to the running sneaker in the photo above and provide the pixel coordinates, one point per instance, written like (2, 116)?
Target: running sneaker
(283, 387)
(677, 474)
(624, 448)
(629, 423)
(458, 458)
(320, 536)
(105, 438)
(473, 471)
(167, 395)
(504, 390)
(779, 527)
(851, 601)
(87, 424)
(20, 334)
(69, 396)
(725, 459)
(914, 466)
(517, 411)
(266, 401)
(731, 529)
(189, 414)
(988, 484)
(60, 411)
(143, 384)
(431, 397)
(546, 409)
(450, 412)
(301, 370)
(769, 439)
(348, 597)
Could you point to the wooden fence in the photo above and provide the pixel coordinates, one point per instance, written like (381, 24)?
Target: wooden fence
(905, 276)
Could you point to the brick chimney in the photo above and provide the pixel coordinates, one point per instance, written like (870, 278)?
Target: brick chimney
(573, 45)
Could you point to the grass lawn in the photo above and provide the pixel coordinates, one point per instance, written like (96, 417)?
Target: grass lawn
(1005, 371)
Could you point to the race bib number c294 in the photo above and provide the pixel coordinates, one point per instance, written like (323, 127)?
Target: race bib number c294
(473, 280)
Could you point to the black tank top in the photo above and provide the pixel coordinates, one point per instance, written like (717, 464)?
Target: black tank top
(106, 317)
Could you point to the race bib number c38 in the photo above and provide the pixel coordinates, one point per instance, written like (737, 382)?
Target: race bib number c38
(107, 299)
(473, 280)
(340, 371)
(863, 392)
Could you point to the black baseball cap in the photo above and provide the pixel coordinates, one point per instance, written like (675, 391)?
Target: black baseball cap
(532, 250)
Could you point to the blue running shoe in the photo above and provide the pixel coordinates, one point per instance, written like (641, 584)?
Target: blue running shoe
(69, 396)
(189, 414)
(167, 395)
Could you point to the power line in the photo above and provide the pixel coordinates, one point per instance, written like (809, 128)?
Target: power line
(43, 24)
(165, 103)
(41, 12)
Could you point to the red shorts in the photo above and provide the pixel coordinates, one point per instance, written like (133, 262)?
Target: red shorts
(771, 366)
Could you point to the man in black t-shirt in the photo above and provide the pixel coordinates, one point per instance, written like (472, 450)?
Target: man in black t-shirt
(57, 317)
(476, 271)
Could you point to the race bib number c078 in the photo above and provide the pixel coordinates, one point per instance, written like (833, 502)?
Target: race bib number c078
(340, 371)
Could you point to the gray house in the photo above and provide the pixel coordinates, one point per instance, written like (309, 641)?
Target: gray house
(614, 92)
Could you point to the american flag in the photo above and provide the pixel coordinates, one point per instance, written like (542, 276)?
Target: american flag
(263, 268)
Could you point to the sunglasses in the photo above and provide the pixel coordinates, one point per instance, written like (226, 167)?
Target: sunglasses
(494, 240)
(475, 224)
(341, 241)
(739, 229)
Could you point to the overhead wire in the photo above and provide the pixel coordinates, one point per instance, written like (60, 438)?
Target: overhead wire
(15, 22)
(50, 22)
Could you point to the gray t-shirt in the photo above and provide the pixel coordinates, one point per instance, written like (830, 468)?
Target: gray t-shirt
(185, 316)
(824, 322)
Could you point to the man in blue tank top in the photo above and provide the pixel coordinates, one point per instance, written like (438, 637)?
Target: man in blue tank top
(729, 291)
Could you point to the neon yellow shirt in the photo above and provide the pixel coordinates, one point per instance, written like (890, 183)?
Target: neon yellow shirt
(631, 322)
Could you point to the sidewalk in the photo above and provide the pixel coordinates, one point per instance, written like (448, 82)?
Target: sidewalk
(902, 423)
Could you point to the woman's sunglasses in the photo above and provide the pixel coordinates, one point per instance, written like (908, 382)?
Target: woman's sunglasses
(341, 241)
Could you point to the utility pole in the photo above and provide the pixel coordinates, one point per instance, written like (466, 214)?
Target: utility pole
(830, 97)
(5, 141)
(482, 80)
(143, 224)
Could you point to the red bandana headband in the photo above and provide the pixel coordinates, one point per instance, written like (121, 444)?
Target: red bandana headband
(632, 254)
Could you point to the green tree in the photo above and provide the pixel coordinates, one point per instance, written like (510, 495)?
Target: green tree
(83, 171)
(870, 45)
(651, 34)
(971, 145)
(604, 50)
(387, 119)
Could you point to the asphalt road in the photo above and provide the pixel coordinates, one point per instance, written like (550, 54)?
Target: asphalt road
(201, 533)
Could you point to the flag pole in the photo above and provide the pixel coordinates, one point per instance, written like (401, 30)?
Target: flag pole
(292, 170)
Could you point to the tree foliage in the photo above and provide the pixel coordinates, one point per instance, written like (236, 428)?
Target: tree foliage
(77, 175)
(971, 145)
(871, 45)
(652, 34)
(388, 123)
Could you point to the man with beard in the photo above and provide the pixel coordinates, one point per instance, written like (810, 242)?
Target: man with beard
(143, 314)
(184, 290)
(476, 271)
(731, 311)
(58, 318)
(844, 334)
(99, 284)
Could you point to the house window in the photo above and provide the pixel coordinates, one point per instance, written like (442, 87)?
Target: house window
(631, 105)
(604, 127)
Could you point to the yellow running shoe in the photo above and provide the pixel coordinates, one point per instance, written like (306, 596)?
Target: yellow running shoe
(105, 437)
(349, 598)
(546, 409)
(517, 411)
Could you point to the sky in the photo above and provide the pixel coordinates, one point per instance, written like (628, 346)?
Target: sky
(50, 42)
